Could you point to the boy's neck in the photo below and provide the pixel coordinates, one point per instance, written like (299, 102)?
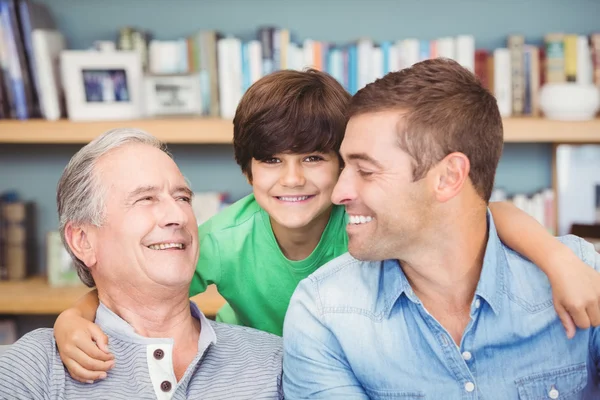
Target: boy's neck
(298, 243)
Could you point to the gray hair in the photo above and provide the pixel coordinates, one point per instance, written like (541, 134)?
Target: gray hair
(80, 197)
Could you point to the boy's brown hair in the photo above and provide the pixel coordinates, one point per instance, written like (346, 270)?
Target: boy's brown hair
(444, 109)
(289, 112)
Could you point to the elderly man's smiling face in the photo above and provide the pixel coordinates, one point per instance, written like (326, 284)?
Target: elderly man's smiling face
(149, 234)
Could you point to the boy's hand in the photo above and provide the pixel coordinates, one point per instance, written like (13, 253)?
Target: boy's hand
(576, 294)
(82, 346)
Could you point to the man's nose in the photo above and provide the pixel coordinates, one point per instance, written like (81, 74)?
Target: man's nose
(344, 190)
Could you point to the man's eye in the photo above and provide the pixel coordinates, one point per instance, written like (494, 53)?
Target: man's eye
(145, 198)
(364, 174)
(187, 199)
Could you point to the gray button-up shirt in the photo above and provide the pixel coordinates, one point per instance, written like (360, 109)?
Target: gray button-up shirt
(233, 362)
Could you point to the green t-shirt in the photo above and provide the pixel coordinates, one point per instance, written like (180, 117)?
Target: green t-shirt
(240, 255)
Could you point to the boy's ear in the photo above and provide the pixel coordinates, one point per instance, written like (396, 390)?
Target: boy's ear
(78, 239)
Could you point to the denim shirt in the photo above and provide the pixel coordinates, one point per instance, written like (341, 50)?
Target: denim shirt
(356, 330)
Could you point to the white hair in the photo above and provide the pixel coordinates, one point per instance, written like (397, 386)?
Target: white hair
(80, 196)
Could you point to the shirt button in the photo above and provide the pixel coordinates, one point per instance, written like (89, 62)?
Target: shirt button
(477, 303)
(553, 394)
(159, 354)
(466, 356)
(469, 386)
(165, 386)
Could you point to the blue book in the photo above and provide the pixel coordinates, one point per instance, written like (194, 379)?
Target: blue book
(385, 50)
(352, 69)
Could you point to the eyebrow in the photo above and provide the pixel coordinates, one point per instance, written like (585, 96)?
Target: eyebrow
(363, 157)
(150, 189)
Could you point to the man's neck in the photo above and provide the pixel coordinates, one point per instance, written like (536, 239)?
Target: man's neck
(157, 314)
(298, 244)
(444, 270)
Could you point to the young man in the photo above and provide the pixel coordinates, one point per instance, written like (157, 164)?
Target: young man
(429, 303)
(287, 133)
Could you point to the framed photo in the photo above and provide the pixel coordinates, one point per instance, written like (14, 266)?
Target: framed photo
(102, 85)
(172, 95)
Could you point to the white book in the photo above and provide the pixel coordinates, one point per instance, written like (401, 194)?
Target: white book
(502, 81)
(308, 51)
(465, 51)
(229, 54)
(377, 64)
(585, 67)
(394, 59)
(47, 46)
(365, 67)
(411, 51)
(255, 60)
(446, 48)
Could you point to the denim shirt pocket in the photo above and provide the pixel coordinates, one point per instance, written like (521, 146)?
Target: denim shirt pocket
(393, 394)
(563, 384)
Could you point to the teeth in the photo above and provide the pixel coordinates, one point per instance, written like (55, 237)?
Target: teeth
(299, 198)
(360, 219)
(163, 246)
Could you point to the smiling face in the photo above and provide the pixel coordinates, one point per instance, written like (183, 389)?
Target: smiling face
(388, 210)
(149, 234)
(295, 189)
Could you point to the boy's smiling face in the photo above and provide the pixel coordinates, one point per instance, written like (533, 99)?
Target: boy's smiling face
(295, 189)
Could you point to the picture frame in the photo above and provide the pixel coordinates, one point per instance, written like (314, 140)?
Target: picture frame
(172, 95)
(102, 85)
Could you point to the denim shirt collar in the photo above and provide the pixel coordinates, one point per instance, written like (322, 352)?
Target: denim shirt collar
(491, 280)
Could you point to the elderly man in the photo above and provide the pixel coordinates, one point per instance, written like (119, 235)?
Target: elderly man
(126, 218)
(450, 312)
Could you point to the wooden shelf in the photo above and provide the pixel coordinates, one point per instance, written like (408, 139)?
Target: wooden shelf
(35, 296)
(169, 130)
(219, 131)
(540, 130)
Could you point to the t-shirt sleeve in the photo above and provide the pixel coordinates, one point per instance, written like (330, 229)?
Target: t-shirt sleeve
(25, 368)
(208, 268)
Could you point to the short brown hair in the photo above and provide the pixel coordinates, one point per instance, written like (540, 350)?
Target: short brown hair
(289, 112)
(445, 109)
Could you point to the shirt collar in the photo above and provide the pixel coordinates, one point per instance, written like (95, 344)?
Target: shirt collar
(491, 280)
(113, 325)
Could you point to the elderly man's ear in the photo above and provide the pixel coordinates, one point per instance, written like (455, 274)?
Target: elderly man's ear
(78, 240)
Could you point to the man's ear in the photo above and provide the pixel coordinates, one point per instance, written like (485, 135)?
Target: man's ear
(78, 240)
(452, 174)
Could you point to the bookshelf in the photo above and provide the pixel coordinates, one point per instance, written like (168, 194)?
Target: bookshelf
(220, 131)
(35, 296)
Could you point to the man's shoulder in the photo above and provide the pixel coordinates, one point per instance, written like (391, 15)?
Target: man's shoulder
(527, 285)
(238, 214)
(341, 269)
(235, 337)
(346, 283)
(39, 342)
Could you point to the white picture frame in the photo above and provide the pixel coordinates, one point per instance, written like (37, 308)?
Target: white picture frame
(102, 85)
(172, 95)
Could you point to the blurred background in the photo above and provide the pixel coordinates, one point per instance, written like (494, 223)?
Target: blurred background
(72, 69)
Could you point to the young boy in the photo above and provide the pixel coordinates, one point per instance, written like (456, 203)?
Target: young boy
(288, 129)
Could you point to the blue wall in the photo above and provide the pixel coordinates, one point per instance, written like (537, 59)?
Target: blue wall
(33, 170)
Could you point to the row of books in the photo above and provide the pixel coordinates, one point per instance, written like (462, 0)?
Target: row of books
(19, 84)
(18, 245)
(540, 205)
(228, 65)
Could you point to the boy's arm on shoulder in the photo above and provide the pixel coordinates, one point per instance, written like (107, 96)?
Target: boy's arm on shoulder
(26, 368)
(314, 365)
(208, 268)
